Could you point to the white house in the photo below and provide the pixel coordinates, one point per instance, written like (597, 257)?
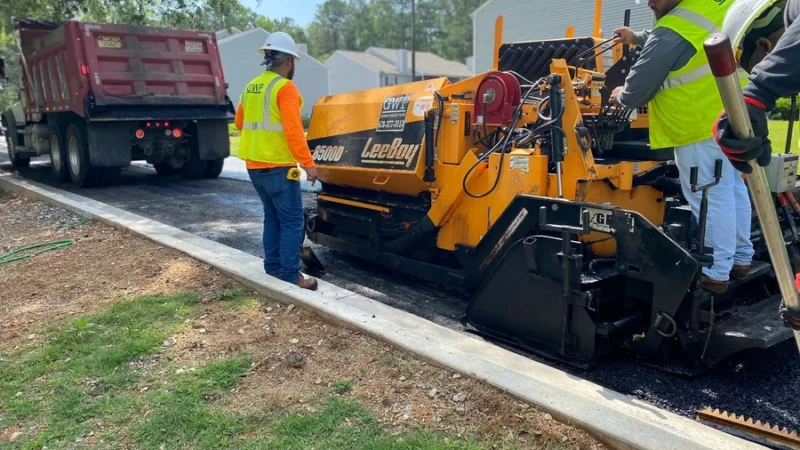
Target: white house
(547, 19)
(378, 67)
(241, 63)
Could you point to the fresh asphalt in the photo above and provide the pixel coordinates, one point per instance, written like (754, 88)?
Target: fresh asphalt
(760, 384)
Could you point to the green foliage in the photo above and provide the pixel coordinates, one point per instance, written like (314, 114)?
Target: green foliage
(343, 387)
(442, 26)
(782, 110)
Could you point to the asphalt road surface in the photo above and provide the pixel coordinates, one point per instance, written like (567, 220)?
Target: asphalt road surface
(761, 384)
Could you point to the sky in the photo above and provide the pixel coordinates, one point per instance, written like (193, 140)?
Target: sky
(302, 11)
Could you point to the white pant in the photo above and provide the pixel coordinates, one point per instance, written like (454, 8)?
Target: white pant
(729, 213)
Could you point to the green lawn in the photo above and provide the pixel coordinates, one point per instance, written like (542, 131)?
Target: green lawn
(235, 145)
(777, 134)
(82, 386)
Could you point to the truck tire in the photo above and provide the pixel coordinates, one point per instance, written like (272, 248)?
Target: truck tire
(164, 169)
(81, 170)
(58, 155)
(194, 167)
(110, 176)
(18, 160)
(214, 168)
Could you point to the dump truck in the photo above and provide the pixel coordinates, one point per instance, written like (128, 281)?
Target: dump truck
(527, 188)
(97, 96)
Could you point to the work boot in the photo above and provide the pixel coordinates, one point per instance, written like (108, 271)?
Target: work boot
(740, 272)
(307, 283)
(716, 286)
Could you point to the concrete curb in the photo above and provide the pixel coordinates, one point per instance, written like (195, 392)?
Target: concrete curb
(616, 419)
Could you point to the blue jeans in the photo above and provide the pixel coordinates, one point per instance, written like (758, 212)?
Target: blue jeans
(283, 222)
(729, 211)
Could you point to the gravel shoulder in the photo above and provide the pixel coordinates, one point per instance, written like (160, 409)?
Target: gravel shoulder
(296, 361)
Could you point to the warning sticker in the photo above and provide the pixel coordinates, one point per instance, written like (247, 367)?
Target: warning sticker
(422, 105)
(109, 42)
(194, 47)
(520, 162)
(599, 220)
(454, 113)
(393, 113)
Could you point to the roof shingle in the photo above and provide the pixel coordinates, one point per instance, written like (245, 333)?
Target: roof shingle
(427, 64)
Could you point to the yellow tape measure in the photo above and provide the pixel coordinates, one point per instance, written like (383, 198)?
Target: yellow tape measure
(294, 174)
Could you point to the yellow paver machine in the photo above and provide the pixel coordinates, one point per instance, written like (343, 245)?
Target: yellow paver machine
(527, 188)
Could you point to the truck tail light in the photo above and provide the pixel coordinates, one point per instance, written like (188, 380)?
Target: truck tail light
(149, 124)
(139, 133)
(84, 69)
(177, 133)
(166, 124)
(158, 124)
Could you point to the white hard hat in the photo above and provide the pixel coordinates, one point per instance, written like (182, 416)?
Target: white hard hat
(280, 42)
(745, 16)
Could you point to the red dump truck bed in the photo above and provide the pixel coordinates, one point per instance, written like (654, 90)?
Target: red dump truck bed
(79, 66)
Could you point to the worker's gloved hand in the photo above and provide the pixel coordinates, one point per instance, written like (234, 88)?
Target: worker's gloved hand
(790, 319)
(739, 151)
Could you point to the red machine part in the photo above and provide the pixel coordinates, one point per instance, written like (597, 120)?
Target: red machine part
(498, 95)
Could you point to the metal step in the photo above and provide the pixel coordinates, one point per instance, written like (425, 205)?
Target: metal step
(757, 268)
(743, 327)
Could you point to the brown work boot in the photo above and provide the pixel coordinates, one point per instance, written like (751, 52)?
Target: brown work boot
(307, 283)
(740, 272)
(719, 287)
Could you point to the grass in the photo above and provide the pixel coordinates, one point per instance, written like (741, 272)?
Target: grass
(235, 145)
(777, 134)
(85, 375)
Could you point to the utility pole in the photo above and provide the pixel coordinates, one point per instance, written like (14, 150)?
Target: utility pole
(413, 41)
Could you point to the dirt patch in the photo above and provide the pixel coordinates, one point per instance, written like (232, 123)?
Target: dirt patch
(299, 360)
(103, 264)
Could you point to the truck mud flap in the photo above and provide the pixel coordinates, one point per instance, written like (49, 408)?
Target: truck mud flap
(109, 144)
(212, 140)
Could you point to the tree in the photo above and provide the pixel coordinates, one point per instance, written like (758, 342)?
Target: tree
(328, 32)
(286, 24)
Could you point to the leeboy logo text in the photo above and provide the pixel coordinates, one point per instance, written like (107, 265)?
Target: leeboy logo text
(396, 153)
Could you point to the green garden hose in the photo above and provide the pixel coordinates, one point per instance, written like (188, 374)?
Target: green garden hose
(48, 247)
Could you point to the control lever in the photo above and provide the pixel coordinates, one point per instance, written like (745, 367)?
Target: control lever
(704, 201)
(570, 261)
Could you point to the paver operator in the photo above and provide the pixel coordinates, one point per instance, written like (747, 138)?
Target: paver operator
(765, 35)
(673, 78)
(273, 143)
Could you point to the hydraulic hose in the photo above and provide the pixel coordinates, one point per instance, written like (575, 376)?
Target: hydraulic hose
(410, 237)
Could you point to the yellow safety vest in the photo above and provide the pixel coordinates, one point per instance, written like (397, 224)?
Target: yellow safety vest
(263, 139)
(688, 103)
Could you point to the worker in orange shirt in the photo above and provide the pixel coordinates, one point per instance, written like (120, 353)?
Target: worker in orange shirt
(273, 143)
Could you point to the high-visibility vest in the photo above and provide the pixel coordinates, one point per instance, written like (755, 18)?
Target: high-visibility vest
(688, 103)
(263, 139)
